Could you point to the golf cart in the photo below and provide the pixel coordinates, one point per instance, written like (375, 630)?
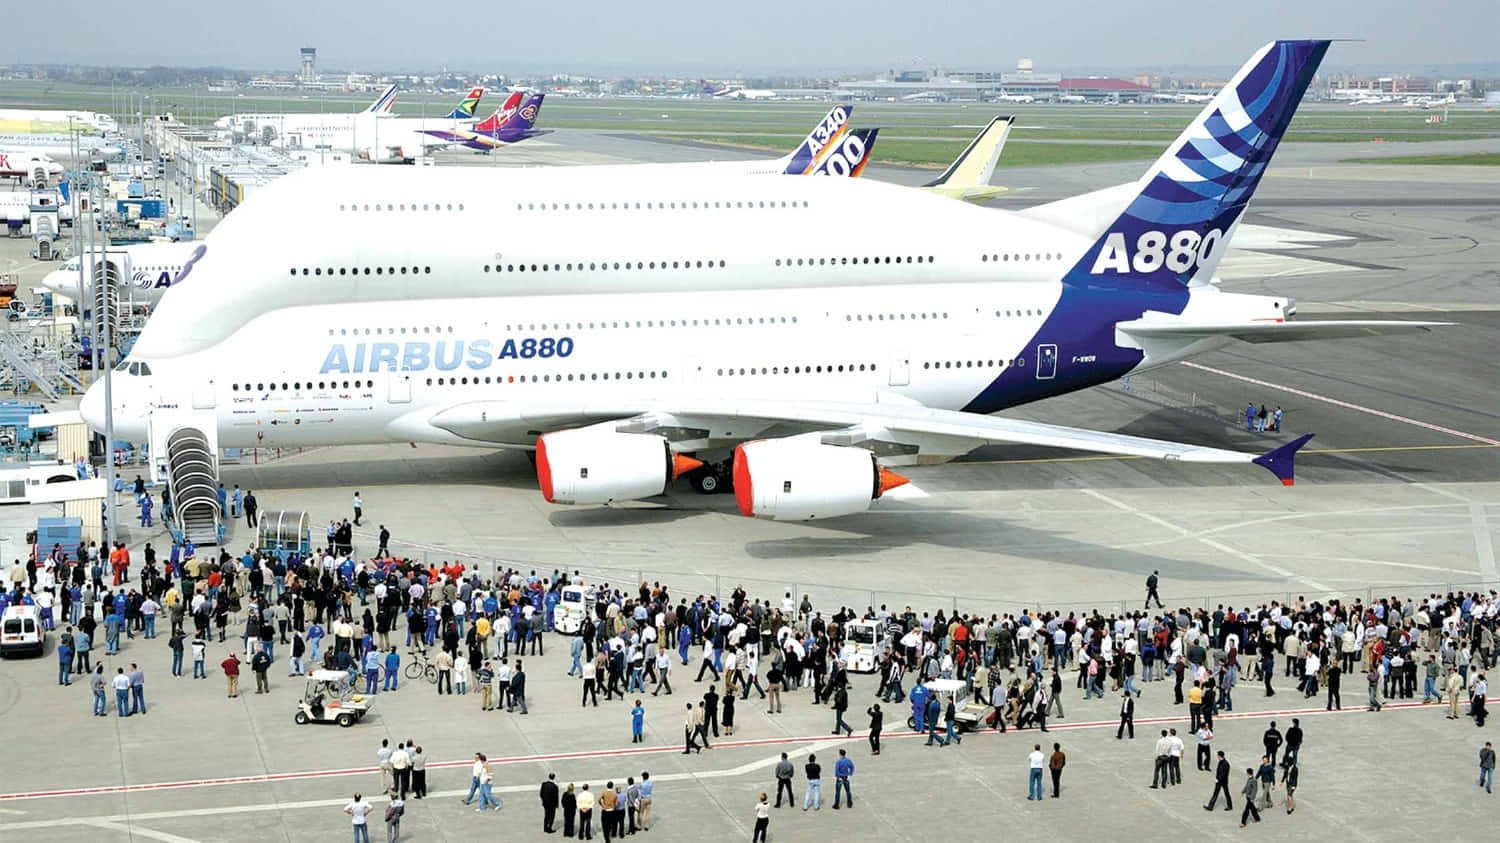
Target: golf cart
(864, 640)
(329, 698)
(968, 713)
(575, 605)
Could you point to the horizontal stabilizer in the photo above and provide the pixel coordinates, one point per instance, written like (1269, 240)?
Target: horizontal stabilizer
(1278, 461)
(1259, 332)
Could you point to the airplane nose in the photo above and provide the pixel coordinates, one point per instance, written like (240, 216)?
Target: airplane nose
(92, 407)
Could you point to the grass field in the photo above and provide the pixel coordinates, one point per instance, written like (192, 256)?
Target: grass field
(1479, 159)
(923, 152)
(925, 134)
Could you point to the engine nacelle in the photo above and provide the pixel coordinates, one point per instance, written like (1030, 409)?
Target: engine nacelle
(383, 155)
(786, 480)
(595, 466)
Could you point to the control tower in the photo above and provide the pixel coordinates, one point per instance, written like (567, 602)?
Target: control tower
(309, 64)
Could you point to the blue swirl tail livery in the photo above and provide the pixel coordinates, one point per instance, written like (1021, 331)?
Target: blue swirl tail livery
(1184, 209)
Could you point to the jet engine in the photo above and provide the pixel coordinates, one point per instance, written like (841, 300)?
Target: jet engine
(384, 155)
(788, 480)
(590, 466)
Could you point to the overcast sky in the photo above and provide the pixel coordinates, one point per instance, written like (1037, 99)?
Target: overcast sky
(752, 36)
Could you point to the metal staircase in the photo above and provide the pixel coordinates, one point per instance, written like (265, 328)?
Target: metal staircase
(193, 476)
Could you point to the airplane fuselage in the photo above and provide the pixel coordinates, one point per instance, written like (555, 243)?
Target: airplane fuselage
(563, 294)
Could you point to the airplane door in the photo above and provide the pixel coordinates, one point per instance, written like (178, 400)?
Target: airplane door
(204, 396)
(294, 140)
(400, 388)
(900, 369)
(1046, 362)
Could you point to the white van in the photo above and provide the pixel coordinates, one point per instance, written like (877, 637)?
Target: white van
(864, 640)
(21, 631)
(576, 604)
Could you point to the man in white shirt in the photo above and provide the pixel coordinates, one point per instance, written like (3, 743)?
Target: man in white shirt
(1037, 761)
(359, 809)
(1161, 776)
(401, 769)
(1174, 757)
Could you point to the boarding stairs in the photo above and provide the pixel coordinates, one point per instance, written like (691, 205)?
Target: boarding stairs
(184, 448)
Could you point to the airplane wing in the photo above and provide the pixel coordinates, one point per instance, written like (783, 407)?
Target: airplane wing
(898, 433)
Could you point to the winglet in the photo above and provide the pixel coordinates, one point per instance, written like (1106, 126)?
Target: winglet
(1279, 460)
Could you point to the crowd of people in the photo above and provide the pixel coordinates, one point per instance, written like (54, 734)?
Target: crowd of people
(333, 611)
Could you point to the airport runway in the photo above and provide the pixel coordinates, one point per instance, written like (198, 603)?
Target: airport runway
(1398, 494)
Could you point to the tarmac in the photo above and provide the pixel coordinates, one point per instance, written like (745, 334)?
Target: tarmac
(1396, 495)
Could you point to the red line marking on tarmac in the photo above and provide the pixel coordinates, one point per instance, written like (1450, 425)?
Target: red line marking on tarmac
(1345, 404)
(657, 750)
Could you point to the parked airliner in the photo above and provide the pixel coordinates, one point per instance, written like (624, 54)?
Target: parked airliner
(798, 337)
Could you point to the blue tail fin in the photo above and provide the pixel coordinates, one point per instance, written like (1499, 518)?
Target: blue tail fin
(851, 155)
(383, 103)
(1186, 206)
(831, 129)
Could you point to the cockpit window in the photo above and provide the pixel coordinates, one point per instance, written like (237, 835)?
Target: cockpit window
(124, 364)
(145, 369)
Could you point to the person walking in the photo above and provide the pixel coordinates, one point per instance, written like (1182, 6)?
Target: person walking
(1272, 740)
(1486, 766)
(1249, 792)
(1373, 679)
(1036, 761)
(1293, 743)
(690, 731)
(359, 508)
(812, 797)
(1055, 765)
(1289, 781)
(784, 773)
(486, 786)
(1127, 716)
(1221, 785)
(840, 705)
(1335, 673)
(359, 810)
(1151, 594)
(842, 770)
(762, 820)
(260, 664)
(877, 720)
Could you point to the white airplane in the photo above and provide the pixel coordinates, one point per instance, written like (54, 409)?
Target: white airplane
(59, 146)
(51, 121)
(381, 137)
(1167, 96)
(281, 123)
(602, 317)
(149, 268)
(1020, 98)
(736, 92)
(28, 164)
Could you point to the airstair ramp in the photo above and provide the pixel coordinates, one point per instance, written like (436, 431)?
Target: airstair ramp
(193, 478)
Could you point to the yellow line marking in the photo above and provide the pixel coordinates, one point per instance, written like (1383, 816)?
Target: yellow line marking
(1306, 451)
